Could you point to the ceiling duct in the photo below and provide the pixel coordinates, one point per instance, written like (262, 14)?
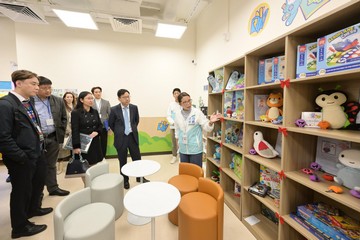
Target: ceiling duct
(126, 24)
(22, 13)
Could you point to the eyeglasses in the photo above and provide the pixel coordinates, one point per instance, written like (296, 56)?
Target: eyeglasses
(45, 88)
(186, 102)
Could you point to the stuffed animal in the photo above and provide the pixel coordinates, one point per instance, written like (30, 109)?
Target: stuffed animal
(349, 171)
(217, 153)
(333, 113)
(274, 102)
(262, 147)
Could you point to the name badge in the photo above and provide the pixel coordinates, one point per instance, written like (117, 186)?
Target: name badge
(191, 120)
(49, 121)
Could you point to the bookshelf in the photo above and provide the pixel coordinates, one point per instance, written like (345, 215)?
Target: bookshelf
(298, 148)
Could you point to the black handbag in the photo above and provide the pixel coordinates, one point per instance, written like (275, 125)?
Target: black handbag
(76, 167)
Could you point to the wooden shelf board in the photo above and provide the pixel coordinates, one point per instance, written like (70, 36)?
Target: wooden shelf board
(234, 119)
(267, 201)
(345, 135)
(321, 187)
(349, 75)
(233, 147)
(272, 163)
(214, 139)
(229, 172)
(300, 229)
(264, 124)
(213, 162)
(265, 229)
(232, 202)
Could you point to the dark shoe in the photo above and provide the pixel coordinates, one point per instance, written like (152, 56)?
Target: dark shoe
(126, 185)
(144, 180)
(8, 179)
(40, 212)
(59, 192)
(29, 230)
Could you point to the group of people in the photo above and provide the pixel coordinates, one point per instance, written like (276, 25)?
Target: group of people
(34, 124)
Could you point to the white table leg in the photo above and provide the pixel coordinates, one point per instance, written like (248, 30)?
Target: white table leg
(136, 220)
(153, 228)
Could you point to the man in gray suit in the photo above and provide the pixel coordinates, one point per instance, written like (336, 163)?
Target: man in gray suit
(103, 108)
(53, 120)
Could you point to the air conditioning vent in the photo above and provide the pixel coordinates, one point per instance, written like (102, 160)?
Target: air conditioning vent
(128, 25)
(22, 13)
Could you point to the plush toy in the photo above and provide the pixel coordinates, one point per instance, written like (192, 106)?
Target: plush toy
(217, 153)
(262, 147)
(333, 113)
(349, 171)
(274, 102)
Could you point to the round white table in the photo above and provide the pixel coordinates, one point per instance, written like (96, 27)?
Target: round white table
(152, 199)
(139, 168)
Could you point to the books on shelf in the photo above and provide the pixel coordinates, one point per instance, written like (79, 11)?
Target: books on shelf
(327, 153)
(234, 104)
(260, 106)
(235, 81)
(237, 160)
(271, 179)
(234, 133)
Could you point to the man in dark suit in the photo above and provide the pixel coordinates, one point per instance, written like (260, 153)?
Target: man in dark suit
(21, 143)
(123, 121)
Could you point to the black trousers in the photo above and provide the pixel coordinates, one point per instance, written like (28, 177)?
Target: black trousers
(131, 145)
(27, 182)
(104, 138)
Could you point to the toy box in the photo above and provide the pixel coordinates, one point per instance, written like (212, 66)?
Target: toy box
(339, 51)
(311, 119)
(318, 221)
(271, 179)
(278, 68)
(316, 232)
(306, 60)
(265, 71)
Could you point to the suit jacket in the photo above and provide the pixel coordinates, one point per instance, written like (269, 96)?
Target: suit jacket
(104, 109)
(19, 139)
(116, 123)
(58, 112)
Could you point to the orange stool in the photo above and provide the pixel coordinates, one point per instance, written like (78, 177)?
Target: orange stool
(201, 214)
(185, 182)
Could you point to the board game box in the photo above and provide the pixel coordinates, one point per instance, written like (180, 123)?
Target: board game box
(306, 60)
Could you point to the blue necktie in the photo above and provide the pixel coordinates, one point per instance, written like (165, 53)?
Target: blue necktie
(126, 121)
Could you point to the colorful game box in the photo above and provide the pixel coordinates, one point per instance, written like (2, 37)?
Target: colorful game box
(306, 60)
(271, 179)
(265, 71)
(339, 51)
(278, 68)
(311, 119)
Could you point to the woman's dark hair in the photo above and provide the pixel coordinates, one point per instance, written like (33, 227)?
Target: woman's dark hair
(122, 92)
(176, 90)
(82, 95)
(181, 95)
(73, 102)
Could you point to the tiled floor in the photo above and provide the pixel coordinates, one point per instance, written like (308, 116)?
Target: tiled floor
(233, 228)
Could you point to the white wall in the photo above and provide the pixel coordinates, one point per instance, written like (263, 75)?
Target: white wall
(147, 66)
(7, 48)
(213, 51)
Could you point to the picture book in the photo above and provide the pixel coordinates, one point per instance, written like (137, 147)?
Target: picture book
(235, 81)
(260, 106)
(229, 103)
(219, 76)
(237, 190)
(271, 179)
(278, 143)
(234, 133)
(237, 160)
(239, 104)
(311, 119)
(269, 214)
(327, 153)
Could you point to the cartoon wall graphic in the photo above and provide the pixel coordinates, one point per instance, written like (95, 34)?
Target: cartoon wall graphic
(308, 7)
(258, 19)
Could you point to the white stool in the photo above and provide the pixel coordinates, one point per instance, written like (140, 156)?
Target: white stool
(106, 187)
(76, 218)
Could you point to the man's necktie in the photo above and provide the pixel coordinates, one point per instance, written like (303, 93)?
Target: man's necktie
(126, 121)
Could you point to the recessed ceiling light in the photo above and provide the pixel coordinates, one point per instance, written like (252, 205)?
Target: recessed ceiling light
(168, 30)
(76, 19)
